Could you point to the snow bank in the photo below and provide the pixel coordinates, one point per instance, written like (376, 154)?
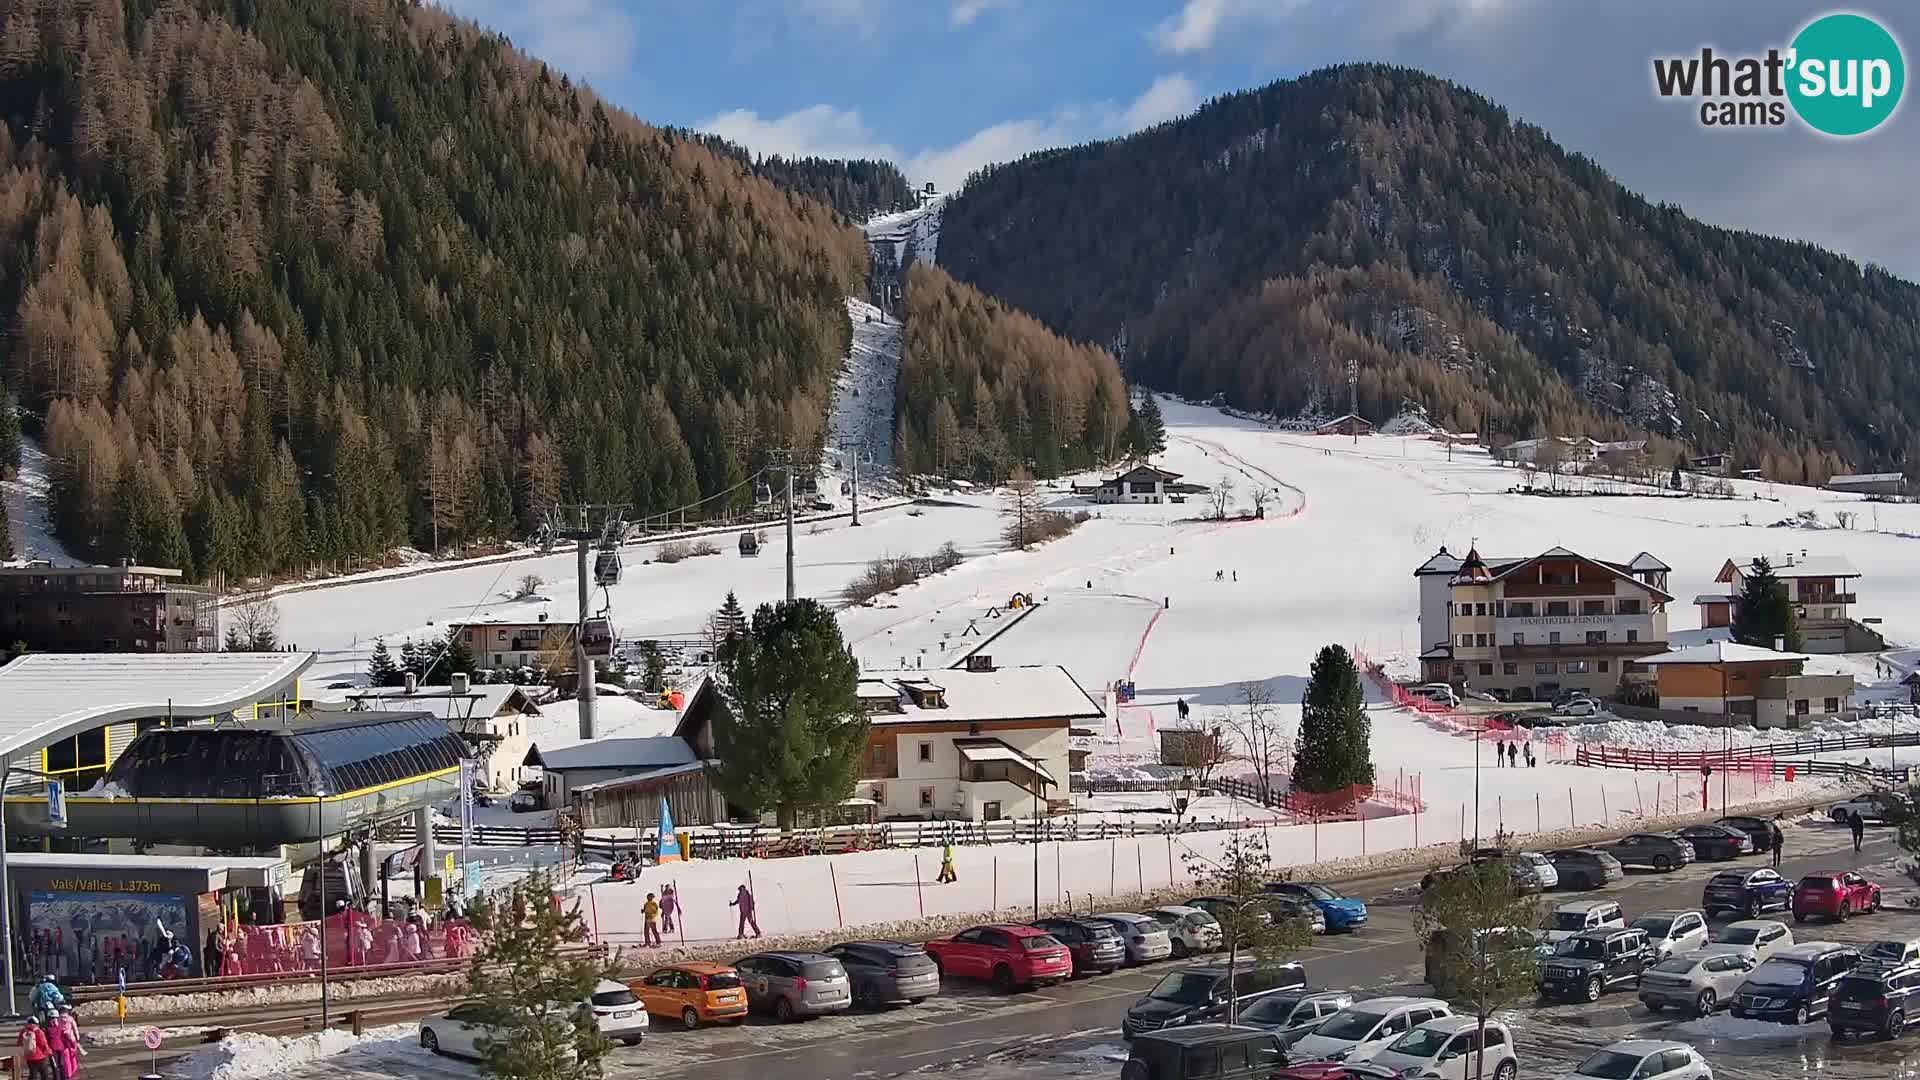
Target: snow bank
(250, 1056)
(1729, 1026)
(101, 1012)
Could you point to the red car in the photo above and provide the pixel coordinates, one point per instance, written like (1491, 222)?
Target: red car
(1834, 895)
(1009, 956)
(1334, 1070)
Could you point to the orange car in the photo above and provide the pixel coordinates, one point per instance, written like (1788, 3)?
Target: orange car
(697, 993)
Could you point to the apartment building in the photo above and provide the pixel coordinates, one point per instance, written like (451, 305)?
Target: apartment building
(1530, 627)
(123, 608)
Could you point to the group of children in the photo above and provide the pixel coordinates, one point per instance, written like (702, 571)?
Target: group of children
(50, 1039)
(658, 913)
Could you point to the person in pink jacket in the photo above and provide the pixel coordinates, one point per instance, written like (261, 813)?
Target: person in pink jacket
(68, 1044)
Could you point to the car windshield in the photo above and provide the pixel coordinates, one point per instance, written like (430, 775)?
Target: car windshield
(1740, 935)
(1421, 1042)
(1654, 926)
(1609, 1065)
(725, 980)
(1734, 878)
(614, 998)
(1353, 1025)
(1036, 942)
(1678, 965)
(1568, 920)
(1888, 950)
(1184, 987)
(1583, 949)
(1779, 973)
(1321, 892)
(1269, 1010)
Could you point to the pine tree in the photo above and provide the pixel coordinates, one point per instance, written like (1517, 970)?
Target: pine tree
(381, 670)
(453, 656)
(411, 661)
(729, 622)
(9, 435)
(1766, 612)
(792, 734)
(1334, 749)
(529, 972)
(1153, 427)
(6, 534)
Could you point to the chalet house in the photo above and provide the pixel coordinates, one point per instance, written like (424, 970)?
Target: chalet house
(492, 719)
(1747, 684)
(1531, 627)
(1822, 588)
(507, 643)
(1345, 425)
(1140, 484)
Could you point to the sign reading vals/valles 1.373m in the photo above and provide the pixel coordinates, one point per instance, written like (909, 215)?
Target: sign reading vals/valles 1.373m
(1842, 75)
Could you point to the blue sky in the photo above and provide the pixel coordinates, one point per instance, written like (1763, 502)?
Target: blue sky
(942, 87)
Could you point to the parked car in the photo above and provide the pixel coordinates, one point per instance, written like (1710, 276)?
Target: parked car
(1697, 981)
(1336, 1070)
(1660, 851)
(1367, 1026)
(1716, 842)
(1209, 1051)
(1747, 892)
(456, 1032)
(1011, 957)
(617, 1012)
(1589, 964)
(1586, 868)
(1795, 984)
(1146, 940)
(1760, 829)
(1294, 1009)
(1194, 995)
(1643, 1059)
(1438, 693)
(524, 801)
(1563, 698)
(1268, 905)
(1835, 896)
(1531, 871)
(1095, 946)
(791, 985)
(887, 972)
(1878, 807)
(1892, 951)
(1579, 707)
(1579, 916)
(694, 993)
(1670, 932)
(1189, 929)
(1877, 997)
(1758, 938)
(1442, 944)
(1342, 912)
(1452, 1048)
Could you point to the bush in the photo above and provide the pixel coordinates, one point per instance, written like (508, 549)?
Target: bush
(703, 547)
(686, 549)
(890, 572)
(1052, 525)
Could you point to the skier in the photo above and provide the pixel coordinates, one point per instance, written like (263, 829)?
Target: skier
(1236, 575)
(310, 946)
(650, 913)
(743, 899)
(1779, 840)
(1857, 825)
(1180, 705)
(1530, 760)
(47, 995)
(1219, 575)
(72, 1051)
(669, 906)
(947, 874)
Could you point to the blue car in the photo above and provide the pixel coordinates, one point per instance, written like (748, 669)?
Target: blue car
(1342, 912)
(1746, 893)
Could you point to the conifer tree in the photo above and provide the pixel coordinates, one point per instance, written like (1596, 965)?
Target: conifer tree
(792, 733)
(1153, 427)
(1334, 750)
(411, 661)
(9, 435)
(528, 976)
(1766, 612)
(381, 670)
(453, 656)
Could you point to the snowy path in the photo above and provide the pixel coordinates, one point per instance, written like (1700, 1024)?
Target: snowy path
(863, 396)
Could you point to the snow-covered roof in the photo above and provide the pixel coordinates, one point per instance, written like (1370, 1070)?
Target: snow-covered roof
(1713, 598)
(1444, 562)
(642, 775)
(974, 750)
(1718, 652)
(638, 754)
(478, 703)
(46, 697)
(1039, 692)
(1149, 471)
(1804, 566)
(1865, 478)
(1624, 570)
(1645, 561)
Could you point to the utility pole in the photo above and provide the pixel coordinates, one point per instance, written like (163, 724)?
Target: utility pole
(585, 524)
(783, 460)
(1353, 397)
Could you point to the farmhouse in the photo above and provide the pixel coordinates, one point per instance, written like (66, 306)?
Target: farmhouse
(1891, 483)
(1345, 425)
(1140, 484)
(1822, 588)
(1748, 684)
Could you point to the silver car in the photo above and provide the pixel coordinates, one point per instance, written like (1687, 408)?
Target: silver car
(1758, 938)
(1146, 940)
(795, 984)
(1697, 981)
(886, 972)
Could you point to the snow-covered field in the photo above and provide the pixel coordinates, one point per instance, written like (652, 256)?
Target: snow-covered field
(1133, 594)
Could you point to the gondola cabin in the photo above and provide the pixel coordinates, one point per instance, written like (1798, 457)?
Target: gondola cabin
(596, 637)
(749, 545)
(606, 568)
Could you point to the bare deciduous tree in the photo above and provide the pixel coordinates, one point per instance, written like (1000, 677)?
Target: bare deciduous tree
(1220, 499)
(253, 625)
(529, 585)
(1021, 507)
(1261, 497)
(1256, 722)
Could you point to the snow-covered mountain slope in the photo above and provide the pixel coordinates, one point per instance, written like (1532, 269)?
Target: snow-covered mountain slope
(26, 503)
(863, 398)
(908, 234)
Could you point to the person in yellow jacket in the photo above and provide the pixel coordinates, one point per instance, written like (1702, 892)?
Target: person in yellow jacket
(651, 912)
(946, 864)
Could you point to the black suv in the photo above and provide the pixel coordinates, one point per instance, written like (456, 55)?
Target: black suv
(1195, 994)
(1585, 868)
(1588, 964)
(1795, 984)
(1213, 1051)
(1759, 828)
(1875, 997)
(1661, 851)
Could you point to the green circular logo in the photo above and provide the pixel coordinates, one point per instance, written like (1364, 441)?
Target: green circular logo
(1847, 74)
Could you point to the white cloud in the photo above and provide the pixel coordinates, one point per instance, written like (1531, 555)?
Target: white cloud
(966, 11)
(824, 131)
(585, 38)
(1202, 25)
(1195, 26)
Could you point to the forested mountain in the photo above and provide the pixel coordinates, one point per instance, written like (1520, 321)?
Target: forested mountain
(857, 187)
(293, 282)
(984, 388)
(1471, 264)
